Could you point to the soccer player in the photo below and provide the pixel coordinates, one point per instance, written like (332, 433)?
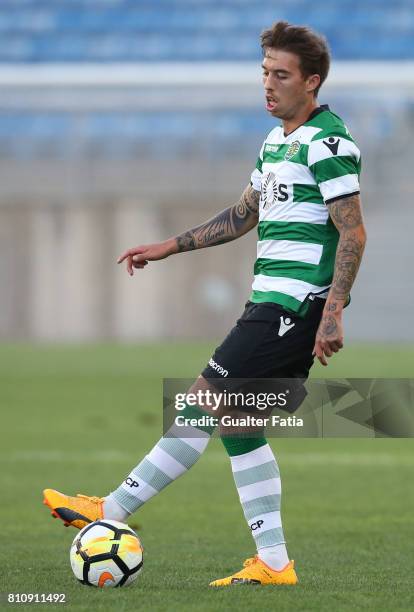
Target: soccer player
(304, 198)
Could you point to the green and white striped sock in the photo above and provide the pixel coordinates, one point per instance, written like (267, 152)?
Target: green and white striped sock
(171, 457)
(257, 479)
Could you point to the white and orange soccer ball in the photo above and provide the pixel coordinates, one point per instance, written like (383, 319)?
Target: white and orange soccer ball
(106, 554)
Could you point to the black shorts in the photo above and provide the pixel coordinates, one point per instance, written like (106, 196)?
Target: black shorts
(267, 342)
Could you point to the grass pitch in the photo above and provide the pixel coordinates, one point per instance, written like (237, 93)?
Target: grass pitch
(78, 418)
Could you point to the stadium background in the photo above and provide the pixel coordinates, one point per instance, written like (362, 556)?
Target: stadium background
(123, 122)
(127, 121)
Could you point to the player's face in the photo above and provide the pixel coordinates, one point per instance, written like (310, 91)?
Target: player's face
(286, 90)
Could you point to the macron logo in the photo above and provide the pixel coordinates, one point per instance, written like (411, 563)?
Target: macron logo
(285, 326)
(218, 368)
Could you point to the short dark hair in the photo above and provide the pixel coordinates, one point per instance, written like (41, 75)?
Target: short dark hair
(311, 48)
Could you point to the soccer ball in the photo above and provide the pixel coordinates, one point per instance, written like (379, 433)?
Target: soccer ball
(106, 554)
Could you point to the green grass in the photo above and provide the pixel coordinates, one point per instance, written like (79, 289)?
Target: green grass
(78, 418)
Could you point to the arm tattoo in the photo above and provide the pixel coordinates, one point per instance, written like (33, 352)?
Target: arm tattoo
(185, 242)
(347, 217)
(228, 225)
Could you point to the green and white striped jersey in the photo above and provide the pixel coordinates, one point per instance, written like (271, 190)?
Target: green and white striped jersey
(297, 176)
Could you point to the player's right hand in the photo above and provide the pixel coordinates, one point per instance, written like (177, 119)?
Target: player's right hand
(139, 256)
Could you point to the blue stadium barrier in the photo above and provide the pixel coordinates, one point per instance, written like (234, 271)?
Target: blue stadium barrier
(217, 134)
(37, 31)
(194, 30)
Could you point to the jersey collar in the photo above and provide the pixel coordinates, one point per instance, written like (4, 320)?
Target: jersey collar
(314, 113)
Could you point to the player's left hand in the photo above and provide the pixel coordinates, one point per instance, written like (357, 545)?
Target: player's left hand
(329, 337)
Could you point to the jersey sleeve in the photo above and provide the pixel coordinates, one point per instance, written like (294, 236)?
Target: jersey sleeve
(335, 162)
(256, 176)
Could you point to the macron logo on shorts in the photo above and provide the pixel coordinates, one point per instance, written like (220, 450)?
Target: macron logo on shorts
(218, 368)
(285, 326)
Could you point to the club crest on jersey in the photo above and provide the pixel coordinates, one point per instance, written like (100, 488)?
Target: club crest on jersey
(292, 150)
(272, 192)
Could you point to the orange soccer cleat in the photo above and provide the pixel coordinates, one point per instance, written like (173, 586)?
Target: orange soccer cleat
(76, 511)
(255, 571)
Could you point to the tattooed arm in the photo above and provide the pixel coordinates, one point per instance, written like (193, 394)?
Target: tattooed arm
(347, 217)
(228, 225)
